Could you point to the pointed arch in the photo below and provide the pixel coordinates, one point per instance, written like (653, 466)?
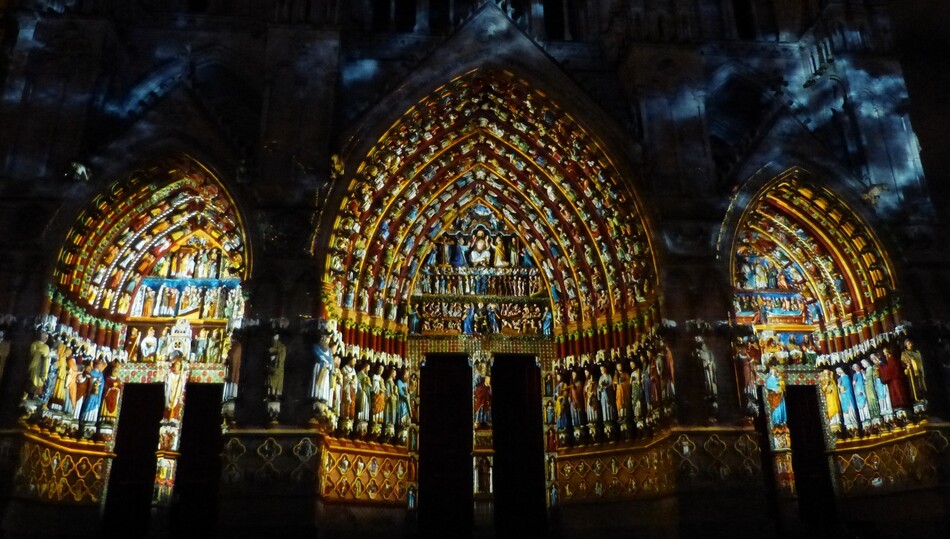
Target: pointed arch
(803, 260)
(130, 234)
(166, 78)
(161, 252)
(489, 138)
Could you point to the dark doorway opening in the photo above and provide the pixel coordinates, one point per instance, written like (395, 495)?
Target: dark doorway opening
(519, 447)
(195, 509)
(816, 499)
(445, 446)
(132, 477)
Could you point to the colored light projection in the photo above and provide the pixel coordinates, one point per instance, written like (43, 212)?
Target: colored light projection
(479, 279)
(487, 188)
(805, 263)
(166, 243)
(812, 280)
(147, 289)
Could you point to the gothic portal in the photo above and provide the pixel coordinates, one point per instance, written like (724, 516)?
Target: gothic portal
(516, 268)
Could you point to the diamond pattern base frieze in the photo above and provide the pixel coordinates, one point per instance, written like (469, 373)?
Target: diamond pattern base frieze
(54, 474)
(683, 460)
(373, 473)
(903, 464)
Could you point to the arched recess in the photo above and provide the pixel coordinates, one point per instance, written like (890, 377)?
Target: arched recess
(488, 220)
(488, 143)
(147, 288)
(797, 236)
(817, 287)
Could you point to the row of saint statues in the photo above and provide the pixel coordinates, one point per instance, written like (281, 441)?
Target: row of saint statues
(876, 392)
(167, 299)
(477, 283)
(372, 397)
(480, 318)
(610, 401)
(879, 389)
(188, 263)
(77, 393)
(480, 250)
(359, 397)
(206, 346)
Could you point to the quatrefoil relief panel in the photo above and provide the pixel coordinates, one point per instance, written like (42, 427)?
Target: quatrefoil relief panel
(269, 450)
(305, 449)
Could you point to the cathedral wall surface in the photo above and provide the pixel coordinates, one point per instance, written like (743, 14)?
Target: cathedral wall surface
(268, 95)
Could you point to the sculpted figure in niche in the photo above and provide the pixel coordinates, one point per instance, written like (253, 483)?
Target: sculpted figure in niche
(562, 403)
(132, 343)
(233, 380)
(622, 387)
(592, 400)
(57, 400)
(459, 252)
(829, 388)
(861, 396)
(161, 352)
(39, 363)
(480, 251)
(891, 373)
(404, 411)
(322, 370)
(775, 393)
(82, 387)
(547, 321)
(94, 391)
(110, 396)
(880, 387)
(707, 363)
(482, 397)
(392, 402)
(348, 394)
(215, 342)
(501, 254)
(73, 372)
(846, 396)
(578, 409)
(874, 406)
(174, 390)
(149, 346)
(636, 394)
(378, 405)
(364, 393)
(336, 385)
(277, 355)
(606, 394)
(914, 369)
(56, 348)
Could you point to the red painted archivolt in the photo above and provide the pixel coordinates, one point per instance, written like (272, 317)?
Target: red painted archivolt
(491, 140)
(120, 237)
(821, 249)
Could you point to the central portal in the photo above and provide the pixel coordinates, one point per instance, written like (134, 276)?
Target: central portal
(487, 229)
(445, 447)
(519, 447)
(481, 448)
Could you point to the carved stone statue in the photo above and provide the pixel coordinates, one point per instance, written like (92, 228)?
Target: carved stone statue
(707, 364)
(39, 363)
(276, 356)
(914, 369)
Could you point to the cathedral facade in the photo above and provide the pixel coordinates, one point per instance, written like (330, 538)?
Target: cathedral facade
(411, 268)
